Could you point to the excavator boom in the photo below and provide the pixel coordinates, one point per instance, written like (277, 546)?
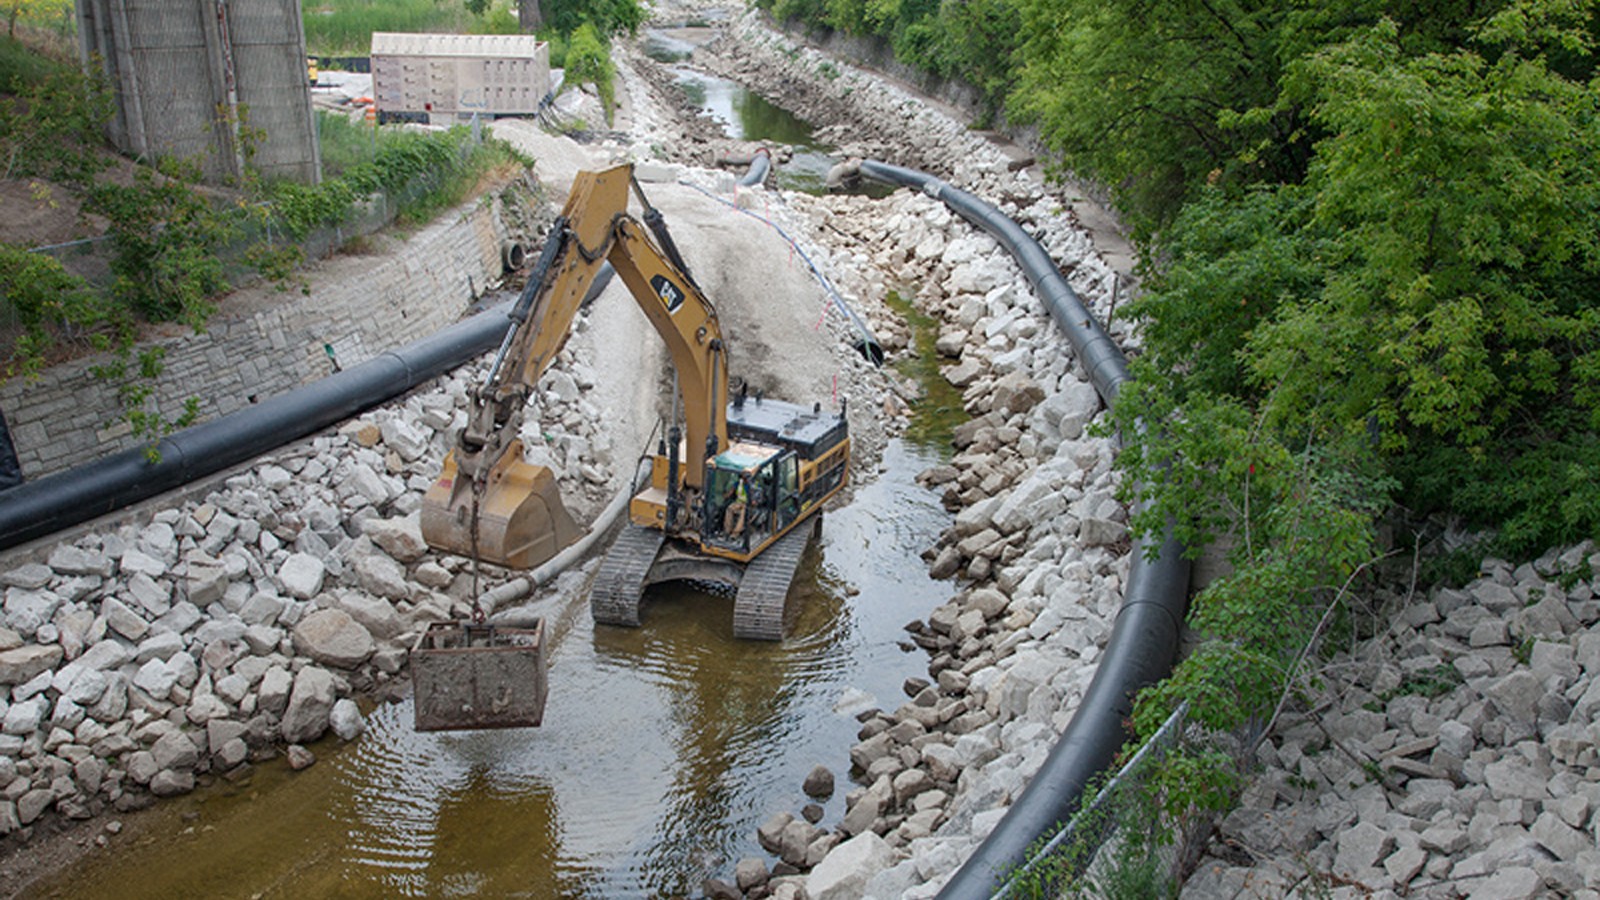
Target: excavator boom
(488, 503)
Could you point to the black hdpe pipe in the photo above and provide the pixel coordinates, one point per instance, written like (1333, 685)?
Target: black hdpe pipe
(46, 505)
(1144, 638)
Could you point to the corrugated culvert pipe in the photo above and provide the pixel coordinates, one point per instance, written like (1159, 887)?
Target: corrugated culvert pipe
(1144, 639)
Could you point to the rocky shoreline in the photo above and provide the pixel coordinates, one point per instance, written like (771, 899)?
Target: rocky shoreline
(1453, 755)
(1040, 542)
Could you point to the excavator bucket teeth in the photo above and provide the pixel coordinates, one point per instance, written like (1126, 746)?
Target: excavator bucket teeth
(471, 676)
(521, 521)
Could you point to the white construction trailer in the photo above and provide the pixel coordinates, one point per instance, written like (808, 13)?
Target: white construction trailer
(445, 78)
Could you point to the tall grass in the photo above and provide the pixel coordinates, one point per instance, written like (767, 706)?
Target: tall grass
(345, 27)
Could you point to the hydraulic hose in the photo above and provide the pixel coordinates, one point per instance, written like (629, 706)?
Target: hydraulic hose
(1144, 638)
(46, 505)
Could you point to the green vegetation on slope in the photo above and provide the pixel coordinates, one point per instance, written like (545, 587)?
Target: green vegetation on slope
(174, 244)
(1373, 261)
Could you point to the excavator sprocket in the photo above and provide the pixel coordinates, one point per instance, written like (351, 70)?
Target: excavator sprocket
(620, 583)
(758, 606)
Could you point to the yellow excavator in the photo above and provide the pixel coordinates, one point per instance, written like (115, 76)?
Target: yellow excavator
(733, 490)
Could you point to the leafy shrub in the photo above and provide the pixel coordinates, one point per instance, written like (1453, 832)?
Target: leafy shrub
(588, 60)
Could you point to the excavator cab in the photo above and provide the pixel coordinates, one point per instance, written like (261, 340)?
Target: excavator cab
(743, 503)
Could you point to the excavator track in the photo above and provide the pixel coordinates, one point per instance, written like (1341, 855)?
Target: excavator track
(758, 606)
(620, 583)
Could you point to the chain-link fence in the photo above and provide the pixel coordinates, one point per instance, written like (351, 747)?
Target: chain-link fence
(1088, 856)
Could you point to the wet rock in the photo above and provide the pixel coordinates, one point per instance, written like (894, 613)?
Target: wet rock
(717, 889)
(770, 832)
(300, 758)
(311, 701)
(818, 782)
(795, 840)
(345, 720)
(750, 872)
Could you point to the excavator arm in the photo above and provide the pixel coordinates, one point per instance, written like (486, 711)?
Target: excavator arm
(488, 503)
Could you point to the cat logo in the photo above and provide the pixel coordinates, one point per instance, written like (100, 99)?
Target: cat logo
(671, 295)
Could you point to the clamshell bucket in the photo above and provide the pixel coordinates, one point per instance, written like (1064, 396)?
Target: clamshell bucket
(468, 675)
(521, 520)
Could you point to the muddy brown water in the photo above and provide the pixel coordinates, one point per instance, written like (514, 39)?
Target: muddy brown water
(663, 748)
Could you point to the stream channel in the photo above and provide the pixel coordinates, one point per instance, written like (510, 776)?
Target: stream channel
(662, 750)
(744, 114)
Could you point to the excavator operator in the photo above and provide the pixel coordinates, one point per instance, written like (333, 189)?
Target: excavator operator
(733, 517)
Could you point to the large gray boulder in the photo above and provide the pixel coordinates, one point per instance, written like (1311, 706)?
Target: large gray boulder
(310, 704)
(301, 575)
(23, 663)
(26, 609)
(378, 574)
(400, 538)
(844, 873)
(333, 638)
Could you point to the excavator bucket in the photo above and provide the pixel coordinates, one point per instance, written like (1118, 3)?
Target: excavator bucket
(470, 676)
(521, 521)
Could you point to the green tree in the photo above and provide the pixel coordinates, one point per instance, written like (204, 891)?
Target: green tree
(607, 16)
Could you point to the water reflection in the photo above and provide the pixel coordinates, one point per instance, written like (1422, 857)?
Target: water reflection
(663, 749)
(746, 115)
